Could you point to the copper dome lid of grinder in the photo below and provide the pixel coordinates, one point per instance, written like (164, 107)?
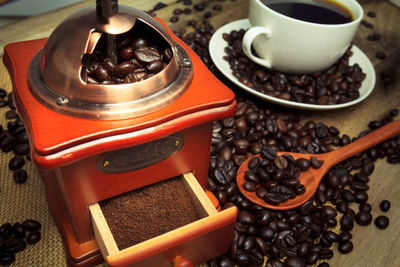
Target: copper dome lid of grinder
(58, 74)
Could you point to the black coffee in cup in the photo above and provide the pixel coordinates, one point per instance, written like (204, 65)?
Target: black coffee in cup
(314, 11)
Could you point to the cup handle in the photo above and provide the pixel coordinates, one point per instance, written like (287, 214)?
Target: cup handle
(248, 38)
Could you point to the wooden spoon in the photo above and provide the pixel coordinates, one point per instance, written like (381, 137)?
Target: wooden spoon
(312, 177)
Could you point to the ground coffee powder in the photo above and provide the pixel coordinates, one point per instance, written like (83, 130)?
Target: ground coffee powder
(149, 212)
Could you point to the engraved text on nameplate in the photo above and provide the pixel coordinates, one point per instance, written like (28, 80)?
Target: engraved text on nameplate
(137, 157)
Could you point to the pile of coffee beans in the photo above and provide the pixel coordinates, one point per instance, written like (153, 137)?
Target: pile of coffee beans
(14, 139)
(336, 85)
(139, 57)
(15, 237)
(275, 178)
(387, 76)
(206, 6)
(306, 235)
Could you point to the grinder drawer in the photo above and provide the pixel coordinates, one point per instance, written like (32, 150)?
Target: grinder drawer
(198, 241)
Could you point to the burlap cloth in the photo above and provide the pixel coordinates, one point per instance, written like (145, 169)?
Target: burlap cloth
(27, 201)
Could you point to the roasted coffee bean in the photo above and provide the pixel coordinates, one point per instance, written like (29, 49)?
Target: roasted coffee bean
(365, 207)
(249, 244)
(166, 55)
(8, 143)
(211, 185)
(20, 176)
(146, 54)
(324, 264)
(331, 222)
(361, 178)
(226, 262)
(300, 189)
(267, 233)
(350, 213)
(329, 211)
(345, 247)
(123, 69)
(253, 163)
(360, 197)
(264, 218)
(245, 217)
(367, 168)
(31, 225)
(332, 236)
(268, 153)
(304, 249)
(217, 7)
(221, 176)
(358, 186)
(274, 263)
(11, 114)
(312, 258)
(325, 254)
(221, 196)
(130, 78)
(294, 262)
(16, 163)
(303, 164)
(281, 162)
(275, 198)
(174, 19)
(261, 191)
(126, 53)
(384, 205)
(33, 237)
(159, 5)
(207, 14)
(261, 245)
(18, 230)
(250, 186)
(363, 218)
(3, 103)
(21, 149)
(380, 55)
(346, 223)
(155, 66)
(3, 93)
(345, 236)
(342, 206)
(101, 74)
(139, 41)
(347, 196)
(382, 222)
(315, 163)
(243, 259)
(15, 245)
(6, 258)
(177, 11)
(5, 230)
(199, 6)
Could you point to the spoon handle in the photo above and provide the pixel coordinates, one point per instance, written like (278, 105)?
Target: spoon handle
(373, 138)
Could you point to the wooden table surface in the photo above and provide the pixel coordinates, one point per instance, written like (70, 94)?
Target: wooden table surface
(373, 247)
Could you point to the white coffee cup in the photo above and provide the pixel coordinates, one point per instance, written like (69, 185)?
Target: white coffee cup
(295, 46)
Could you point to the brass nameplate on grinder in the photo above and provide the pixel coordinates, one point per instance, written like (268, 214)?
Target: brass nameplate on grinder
(137, 157)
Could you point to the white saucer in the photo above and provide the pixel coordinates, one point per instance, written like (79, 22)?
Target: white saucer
(216, 48)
